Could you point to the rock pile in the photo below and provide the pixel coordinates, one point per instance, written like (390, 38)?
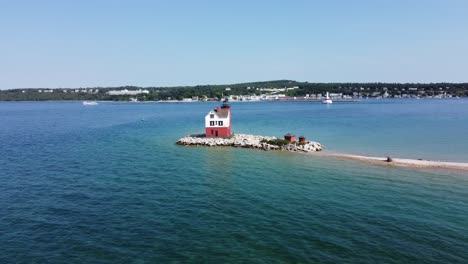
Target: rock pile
(247, 141)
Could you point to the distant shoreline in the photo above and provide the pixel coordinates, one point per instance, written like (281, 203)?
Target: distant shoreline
(246, 101)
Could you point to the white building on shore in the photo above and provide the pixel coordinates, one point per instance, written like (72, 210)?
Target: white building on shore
(127, 92)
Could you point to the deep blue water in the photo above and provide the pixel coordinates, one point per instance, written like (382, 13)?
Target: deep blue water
(107, 184)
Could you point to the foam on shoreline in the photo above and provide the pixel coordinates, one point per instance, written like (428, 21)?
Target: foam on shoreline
(247, 141)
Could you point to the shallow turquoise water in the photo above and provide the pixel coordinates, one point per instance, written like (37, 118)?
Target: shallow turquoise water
(106, 184)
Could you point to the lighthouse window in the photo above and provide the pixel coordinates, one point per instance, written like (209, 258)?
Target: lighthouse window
(212, 123)
(220, 123)
(212, 116)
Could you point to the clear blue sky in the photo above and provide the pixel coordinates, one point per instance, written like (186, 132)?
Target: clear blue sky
(67, 43)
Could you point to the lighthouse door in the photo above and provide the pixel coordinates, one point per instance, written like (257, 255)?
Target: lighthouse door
(216, 132)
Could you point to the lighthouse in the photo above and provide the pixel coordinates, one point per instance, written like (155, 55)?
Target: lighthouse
(218, 121)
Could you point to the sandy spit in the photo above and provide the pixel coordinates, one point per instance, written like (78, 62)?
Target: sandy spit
(413, 163)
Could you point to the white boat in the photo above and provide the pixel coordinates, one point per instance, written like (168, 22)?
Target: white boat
(327, 100)
(89, 103)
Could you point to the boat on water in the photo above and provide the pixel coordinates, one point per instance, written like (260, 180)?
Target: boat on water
(327, 100)
(89, 103)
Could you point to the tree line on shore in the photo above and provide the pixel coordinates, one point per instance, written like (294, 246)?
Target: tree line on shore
(218, 91)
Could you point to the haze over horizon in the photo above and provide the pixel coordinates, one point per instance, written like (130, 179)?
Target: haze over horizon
(144, 43)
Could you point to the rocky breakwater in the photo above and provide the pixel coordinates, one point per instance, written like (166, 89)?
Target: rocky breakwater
(250, 141)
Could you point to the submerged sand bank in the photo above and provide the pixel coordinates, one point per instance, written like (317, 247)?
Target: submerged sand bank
(413, 163)
(313, 148)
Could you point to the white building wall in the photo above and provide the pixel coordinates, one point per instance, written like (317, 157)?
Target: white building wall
(216, 120)
(127, 92)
